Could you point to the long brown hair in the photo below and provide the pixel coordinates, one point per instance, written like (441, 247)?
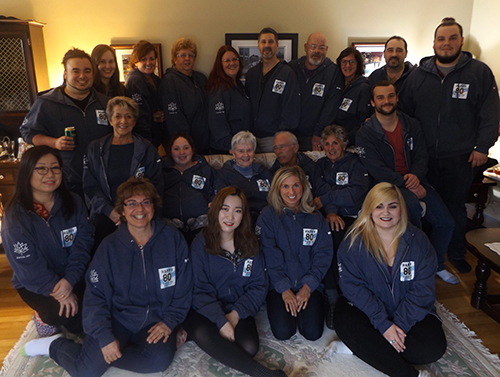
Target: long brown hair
(245, 240)
(114, 82)
(218, 78)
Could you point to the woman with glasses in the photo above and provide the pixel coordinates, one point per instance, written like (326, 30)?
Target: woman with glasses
(47, 239)
(139, 288)
(183, 96)
(229, 107)
(355, 106)
(112, 160)
(143, 87)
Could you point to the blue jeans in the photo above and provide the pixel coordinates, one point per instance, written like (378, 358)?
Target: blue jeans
(436, 214)
(87, 360)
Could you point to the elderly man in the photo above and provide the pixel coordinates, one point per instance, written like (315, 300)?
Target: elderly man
(274, 93)
(455, 99)
(286, 149)
(320, 83)
(75, 104)
(393, 150)
(396, 69)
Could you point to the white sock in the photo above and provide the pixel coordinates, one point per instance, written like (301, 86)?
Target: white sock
(39, 347)
(448, 277)
(339, 347)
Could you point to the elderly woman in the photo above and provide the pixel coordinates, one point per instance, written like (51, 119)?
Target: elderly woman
(143, 86)
(47, 240)
(189, 186)
(106, 76)
(387, 274)
(349, 182)
(139, 288)
(242, 172)
(183, 96)
(355, 106)
(112, 160)
(297, 246)
(230, 285)
(229, 107)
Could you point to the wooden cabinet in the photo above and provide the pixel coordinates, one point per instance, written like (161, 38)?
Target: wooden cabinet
(8, 178)
(23, 71)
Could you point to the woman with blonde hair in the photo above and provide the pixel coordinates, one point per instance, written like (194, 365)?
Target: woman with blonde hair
(387, 271)
(183, 96)
(297, 245)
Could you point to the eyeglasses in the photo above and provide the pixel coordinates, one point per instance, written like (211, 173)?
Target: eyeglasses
(133, 204)
(43, 170)
(280, 147)
(315, 47)
(350, 62)
(184, 56)
(230, 60)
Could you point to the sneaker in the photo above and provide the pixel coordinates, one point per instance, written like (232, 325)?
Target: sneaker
(461, 265)
(448, 277)
(44, 329)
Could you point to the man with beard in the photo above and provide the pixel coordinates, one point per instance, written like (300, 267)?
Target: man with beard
(455, 98)
(396, 69)
(392, 148)
(274, 92)
(74, 104)
(320, 83)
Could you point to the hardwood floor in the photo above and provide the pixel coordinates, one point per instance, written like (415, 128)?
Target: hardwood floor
(14, 314)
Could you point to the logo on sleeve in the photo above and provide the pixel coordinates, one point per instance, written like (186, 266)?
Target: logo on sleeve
(20, 249)
(68, 236)
(172, 108)
(137, 98)
(102, 120)
(198, 182)
(279, 86)
(247, 268)
(139, 173)
(167, 277)
(342, 178)
(460, 91)
(94, 276)
(410, 143)
(346, 103)
(318, 90)
(219, 108)
(309, 236)
(258, 230)
(263, 184)
(407, 271)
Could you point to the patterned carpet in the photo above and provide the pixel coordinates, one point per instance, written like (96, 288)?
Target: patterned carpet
(465, 356)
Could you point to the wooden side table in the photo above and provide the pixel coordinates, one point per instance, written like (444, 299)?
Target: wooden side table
(479, 195)
(487, 260)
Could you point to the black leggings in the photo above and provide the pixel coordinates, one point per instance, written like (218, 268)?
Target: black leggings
(48, 308)
(238, 354)
(425, 342)
(309, 320)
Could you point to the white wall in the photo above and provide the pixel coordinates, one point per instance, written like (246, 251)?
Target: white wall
(85, 24)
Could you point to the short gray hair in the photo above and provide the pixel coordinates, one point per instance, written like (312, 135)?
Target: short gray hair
(244, 137)
(291, 136)
(124, 102)
(338, 131)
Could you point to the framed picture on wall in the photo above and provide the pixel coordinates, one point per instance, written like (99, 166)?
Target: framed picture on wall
(123, 53)
(246, 45)
(373, 54)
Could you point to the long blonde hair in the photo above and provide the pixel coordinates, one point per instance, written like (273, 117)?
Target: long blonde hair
(274, 197)
(364, 227)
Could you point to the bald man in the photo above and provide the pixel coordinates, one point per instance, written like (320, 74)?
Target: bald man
(320, 83)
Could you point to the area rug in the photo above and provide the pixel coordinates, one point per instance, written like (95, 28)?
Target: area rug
(465, 356)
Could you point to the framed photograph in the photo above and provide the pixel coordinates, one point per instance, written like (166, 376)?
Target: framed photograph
(246, 45)
(123, 53)
(373, 53)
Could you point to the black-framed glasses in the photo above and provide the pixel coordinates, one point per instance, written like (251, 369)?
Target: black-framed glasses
(133, 204)
(43, 170)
